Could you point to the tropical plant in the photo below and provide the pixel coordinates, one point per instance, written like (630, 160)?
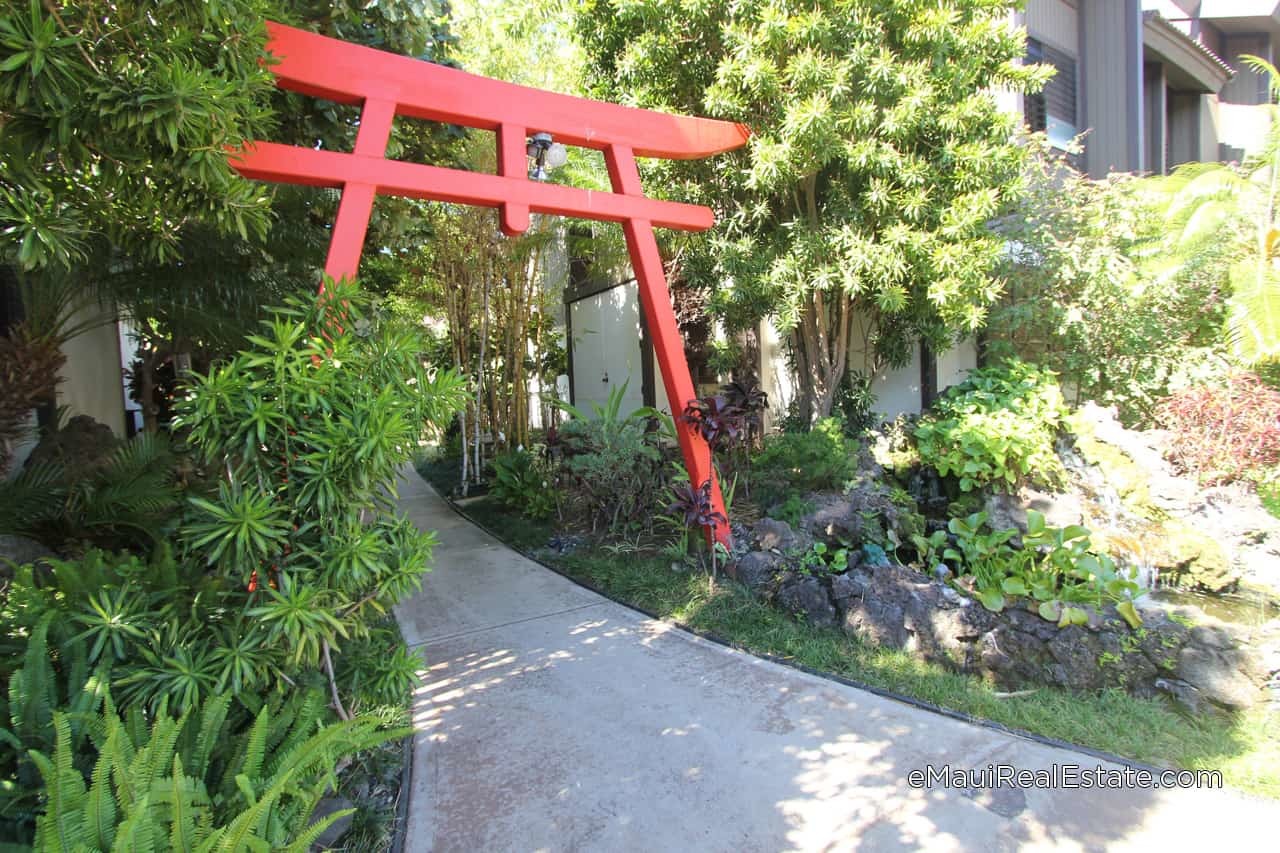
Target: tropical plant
(614, 467)
(309, 430)
(793, 464)
(520, 482)
(694, 511)
(1094, 291)
(194, 782)
(1057, 567)
(1212, 206)
(821, 560)
(1224, 432)
(878, 160)
(998, 428)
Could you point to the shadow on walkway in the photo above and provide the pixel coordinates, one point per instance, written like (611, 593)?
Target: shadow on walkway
(553, 719)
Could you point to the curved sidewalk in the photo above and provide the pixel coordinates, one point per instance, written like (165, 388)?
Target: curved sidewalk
(551, 718)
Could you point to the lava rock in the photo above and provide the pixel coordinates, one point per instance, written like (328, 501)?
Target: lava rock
(19, 550)
(757, 569)
(329, 838)
(1005, 512)
(806, 596)
(771, 534)
(1217, 674)
(80, 448)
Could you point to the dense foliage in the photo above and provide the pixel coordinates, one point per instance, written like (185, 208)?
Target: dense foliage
(201, 782)
(1094, 293)
(290, 558)
(521, 481)
(1224, 432)
(1057, 567)
(795, 463)
(614, 466)
(997, 428)
(878, 158)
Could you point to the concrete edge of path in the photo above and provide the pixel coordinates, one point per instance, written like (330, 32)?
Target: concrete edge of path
(905, 699)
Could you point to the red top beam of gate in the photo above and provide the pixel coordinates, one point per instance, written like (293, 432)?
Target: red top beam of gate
(387, 85)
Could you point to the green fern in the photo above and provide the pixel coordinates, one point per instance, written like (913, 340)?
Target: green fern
(31, 498)
(150, 787)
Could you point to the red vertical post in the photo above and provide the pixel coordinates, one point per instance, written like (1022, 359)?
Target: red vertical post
(513, 162)
(655, 301)
(356, 205)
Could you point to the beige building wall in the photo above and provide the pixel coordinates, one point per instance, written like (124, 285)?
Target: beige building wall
(92, 382)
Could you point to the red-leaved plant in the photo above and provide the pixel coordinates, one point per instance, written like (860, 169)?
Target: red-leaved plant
(1223, 432)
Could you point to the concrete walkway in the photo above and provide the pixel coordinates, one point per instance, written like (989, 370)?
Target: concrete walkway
(553, 719)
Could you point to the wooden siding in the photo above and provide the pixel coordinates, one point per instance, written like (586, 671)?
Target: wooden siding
(1056, 23)
(1111, 86)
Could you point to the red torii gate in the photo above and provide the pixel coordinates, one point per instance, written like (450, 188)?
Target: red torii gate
(387, 85)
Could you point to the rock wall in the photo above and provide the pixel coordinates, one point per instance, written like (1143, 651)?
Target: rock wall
(1201, 666)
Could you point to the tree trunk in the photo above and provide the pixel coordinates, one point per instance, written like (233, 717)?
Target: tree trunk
(820, 346)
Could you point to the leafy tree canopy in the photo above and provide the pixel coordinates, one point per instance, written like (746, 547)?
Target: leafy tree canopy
(878, 157)
(116, 118)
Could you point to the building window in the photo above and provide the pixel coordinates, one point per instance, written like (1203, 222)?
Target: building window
(1052, 111)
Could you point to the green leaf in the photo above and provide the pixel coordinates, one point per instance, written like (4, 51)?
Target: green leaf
(15, 61)
(1050, 610)
(1014, 586)
(1130, 614)
(992, 599)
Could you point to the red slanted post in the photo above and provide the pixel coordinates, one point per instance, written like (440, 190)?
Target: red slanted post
(385, 85)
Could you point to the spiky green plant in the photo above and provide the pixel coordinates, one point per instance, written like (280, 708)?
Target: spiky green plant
(194, 782)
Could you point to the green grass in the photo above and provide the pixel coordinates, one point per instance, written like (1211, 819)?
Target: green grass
(1246, 748)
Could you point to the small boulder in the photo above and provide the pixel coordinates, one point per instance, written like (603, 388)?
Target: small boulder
(757, 569)
(771, 534)
(1194, 558)
(1005, 512)
(1217, 674)
(81, 447)
(19, 550)
(805, 595)
(329, 838)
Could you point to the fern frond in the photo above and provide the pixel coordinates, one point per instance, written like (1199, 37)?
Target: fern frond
(61, 827)
(32, 689)
(182, 792)
(100, 804)
(138, 832)
(35, 495)
(210, 731)
(254, 749)
(303, 842)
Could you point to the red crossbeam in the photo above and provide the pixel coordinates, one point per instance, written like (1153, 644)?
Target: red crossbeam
(386, 85)
(270, 161)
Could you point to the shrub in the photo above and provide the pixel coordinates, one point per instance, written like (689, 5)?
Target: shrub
(127, 501)
(522, 483)
(1224, 432)
(309, 428)
(201, 781)
(996, 428)
(614, 467)
(795, 463)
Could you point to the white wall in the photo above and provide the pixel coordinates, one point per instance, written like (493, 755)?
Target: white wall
(775, 375)
(91, 382)
(1244, 125)
(897, 390)
(606, 345)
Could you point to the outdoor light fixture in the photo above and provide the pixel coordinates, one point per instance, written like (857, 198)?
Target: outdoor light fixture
(545, 154)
